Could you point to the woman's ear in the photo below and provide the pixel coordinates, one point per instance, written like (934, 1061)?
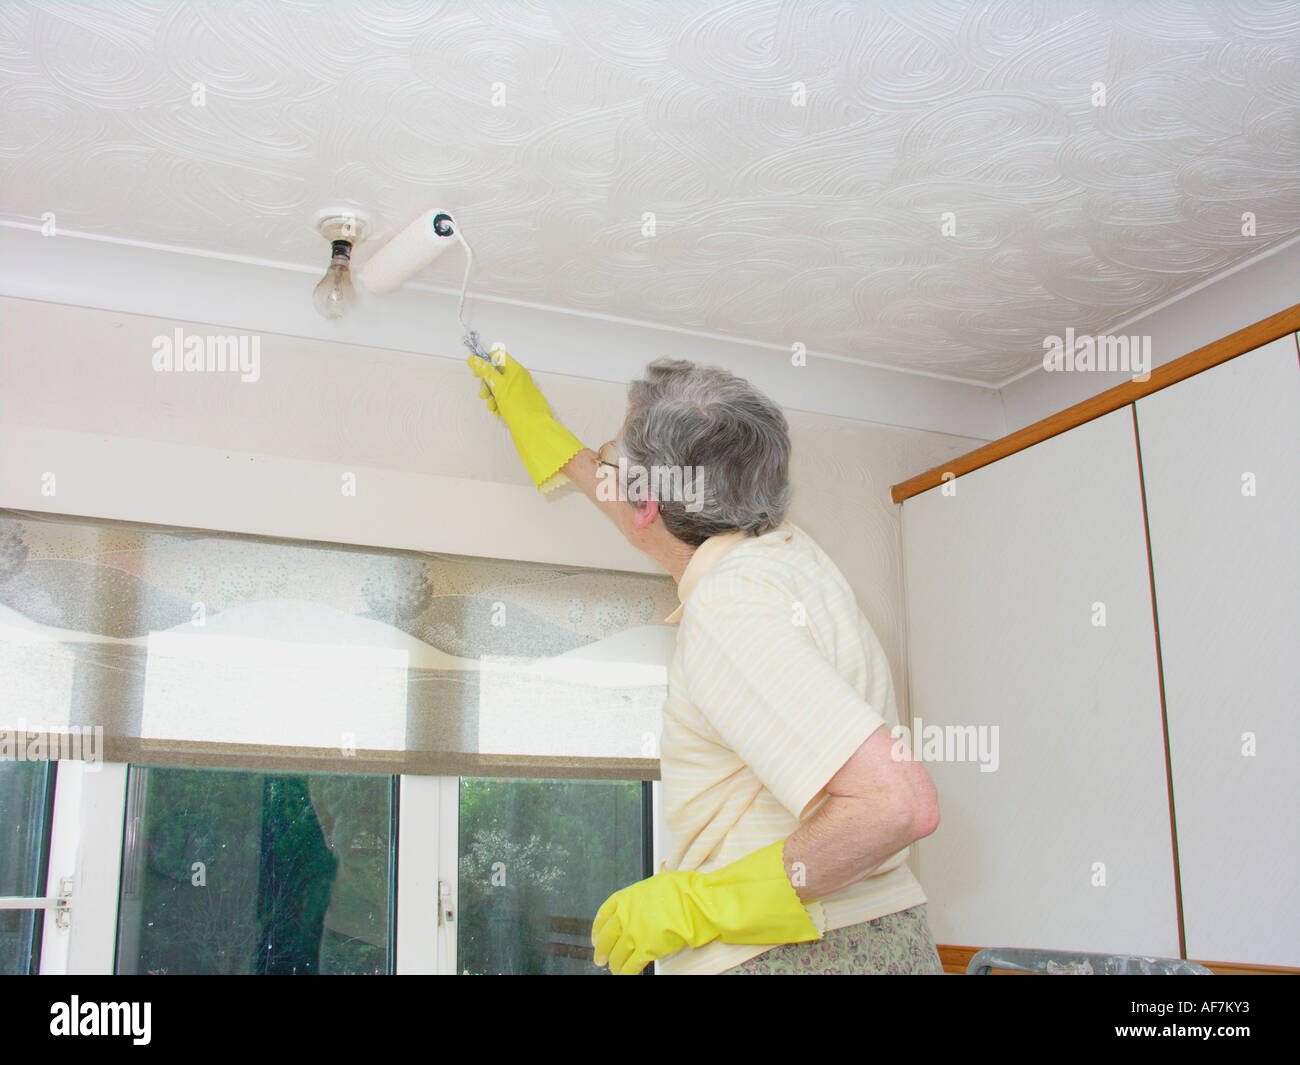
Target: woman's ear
(646, 513)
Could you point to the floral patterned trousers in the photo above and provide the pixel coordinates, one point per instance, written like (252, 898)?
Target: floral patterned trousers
(894, 944)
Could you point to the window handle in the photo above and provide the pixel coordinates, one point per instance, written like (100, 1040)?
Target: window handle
(446, 914)
(60, 904)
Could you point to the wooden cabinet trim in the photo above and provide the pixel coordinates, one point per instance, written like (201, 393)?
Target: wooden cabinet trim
(1229, 347)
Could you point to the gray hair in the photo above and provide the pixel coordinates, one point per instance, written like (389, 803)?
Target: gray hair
(686, 416)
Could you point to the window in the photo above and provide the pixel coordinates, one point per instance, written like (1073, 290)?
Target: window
(26, 805)
(537, 858)
(227, 871)
(357, 681)
(236, 872)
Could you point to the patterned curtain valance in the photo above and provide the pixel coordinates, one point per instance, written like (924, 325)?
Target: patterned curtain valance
(177, 647)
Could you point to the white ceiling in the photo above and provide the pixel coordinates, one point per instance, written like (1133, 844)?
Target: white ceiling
(775, 223)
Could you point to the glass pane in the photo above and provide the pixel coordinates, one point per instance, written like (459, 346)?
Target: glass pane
(537, 858)
(240, 872)
(24, 837)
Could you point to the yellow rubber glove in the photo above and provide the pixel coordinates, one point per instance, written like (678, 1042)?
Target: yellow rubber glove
(748, 901)
(543, 443)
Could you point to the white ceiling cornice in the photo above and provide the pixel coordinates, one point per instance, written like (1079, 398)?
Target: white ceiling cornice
(262, 297)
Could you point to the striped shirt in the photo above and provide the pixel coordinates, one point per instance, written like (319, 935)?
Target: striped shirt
(777, 679)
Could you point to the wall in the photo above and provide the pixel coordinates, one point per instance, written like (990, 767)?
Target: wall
(435, 472)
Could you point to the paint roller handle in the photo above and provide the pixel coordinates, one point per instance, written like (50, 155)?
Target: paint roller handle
(471, 341)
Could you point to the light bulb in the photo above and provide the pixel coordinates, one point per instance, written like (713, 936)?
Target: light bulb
(334, 294)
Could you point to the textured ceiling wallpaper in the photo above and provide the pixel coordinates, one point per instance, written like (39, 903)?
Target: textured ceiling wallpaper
(800, 159)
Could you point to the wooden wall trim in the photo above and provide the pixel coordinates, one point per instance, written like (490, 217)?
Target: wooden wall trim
(1160, 676)
(955, 959)
(1229, 347)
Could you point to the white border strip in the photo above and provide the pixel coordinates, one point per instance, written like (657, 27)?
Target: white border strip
(124, 479)
(262, 297)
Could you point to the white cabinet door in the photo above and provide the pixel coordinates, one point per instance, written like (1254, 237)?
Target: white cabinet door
(1221, 455)
(1067, 843)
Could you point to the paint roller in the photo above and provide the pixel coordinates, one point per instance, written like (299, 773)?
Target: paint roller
(410, 251)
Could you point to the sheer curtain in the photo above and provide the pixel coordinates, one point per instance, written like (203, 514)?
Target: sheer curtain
(180, 647)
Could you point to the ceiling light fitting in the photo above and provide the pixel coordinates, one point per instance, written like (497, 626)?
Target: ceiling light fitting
(342, 227)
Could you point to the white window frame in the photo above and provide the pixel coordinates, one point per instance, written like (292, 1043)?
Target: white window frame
(86, 840)
(88, 836)
(426, 861)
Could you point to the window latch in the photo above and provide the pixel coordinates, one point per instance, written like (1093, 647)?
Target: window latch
(445, 912)
(61, 904)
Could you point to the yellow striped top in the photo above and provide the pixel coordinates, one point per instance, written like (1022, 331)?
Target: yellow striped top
(776, 680)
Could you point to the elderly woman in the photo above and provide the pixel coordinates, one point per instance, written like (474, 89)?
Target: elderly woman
(790, 806)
